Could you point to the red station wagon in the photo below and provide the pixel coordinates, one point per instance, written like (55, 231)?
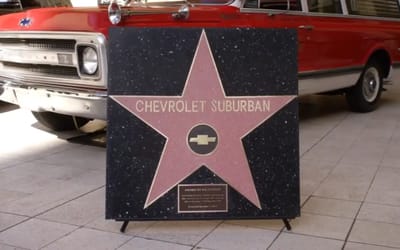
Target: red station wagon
(53, 61)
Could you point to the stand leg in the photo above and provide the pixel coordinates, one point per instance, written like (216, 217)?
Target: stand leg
(287, 224)
(124, 225)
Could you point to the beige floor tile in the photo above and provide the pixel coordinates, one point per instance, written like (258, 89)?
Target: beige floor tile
(309, 134)
(8, 220)
(89, 239)
(385, 188)
(303, 199)
(93, 178)
(35, 177)
(95, 159)
(8, 178)
(375, 137)
(354, 122)
(181, 232)
(322, 226)
(146, 244)
(364, 153)
(390, 101)
(331, 207)
(18, 145)
(378, 129)
(231, 237)
(347, 182)
(312, 173)
(8, 162)
(7, 247)
(80, 211)
(332, 154)
(44, 200)
(396, 134)
(305, 144)
(346, 130)
(274, 225)
(358, 246)
(7, 196)
(376, 233)
(392, 155)
(380, 213)
(343, 136)
(134, 227)
(27, 182)
(287, 241)
(34, 233)
(39, 170)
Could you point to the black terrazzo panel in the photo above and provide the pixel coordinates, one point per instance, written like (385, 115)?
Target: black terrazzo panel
(156, 62)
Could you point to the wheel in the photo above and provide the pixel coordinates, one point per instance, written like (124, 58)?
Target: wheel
(364, 96)
(59, 122)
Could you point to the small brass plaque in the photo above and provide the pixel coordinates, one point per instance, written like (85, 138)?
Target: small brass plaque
(202, 198)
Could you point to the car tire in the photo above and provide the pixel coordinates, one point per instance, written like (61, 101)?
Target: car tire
(365, 95)
(59, 122)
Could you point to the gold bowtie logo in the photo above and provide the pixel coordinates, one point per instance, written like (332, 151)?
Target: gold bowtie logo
(203, 139)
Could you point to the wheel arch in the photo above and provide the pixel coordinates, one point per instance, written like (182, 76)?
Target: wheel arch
(382, 57)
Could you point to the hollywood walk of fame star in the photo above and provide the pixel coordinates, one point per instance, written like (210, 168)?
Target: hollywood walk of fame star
(203, 90)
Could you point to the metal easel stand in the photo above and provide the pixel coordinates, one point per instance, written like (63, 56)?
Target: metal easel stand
(124, 226)
(287, 224)
(126, 222)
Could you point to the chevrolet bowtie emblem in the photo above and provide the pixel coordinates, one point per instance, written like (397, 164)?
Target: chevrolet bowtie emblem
(203, 139)
(25, 22)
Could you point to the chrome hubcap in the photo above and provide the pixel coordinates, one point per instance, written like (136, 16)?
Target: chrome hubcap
(371, 84)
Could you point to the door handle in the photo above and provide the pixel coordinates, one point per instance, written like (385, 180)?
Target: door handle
(306, 27)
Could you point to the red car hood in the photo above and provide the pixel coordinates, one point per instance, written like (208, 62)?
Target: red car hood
(96, 20)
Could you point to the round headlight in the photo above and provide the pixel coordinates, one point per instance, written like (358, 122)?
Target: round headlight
(89, 61)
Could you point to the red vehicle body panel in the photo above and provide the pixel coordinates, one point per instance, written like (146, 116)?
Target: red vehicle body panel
(327, 45)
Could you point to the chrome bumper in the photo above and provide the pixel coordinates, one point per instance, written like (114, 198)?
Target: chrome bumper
(64, 101)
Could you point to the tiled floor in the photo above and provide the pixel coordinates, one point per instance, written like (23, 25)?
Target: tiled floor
(52, 190)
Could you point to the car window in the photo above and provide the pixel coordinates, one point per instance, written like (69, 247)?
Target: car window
(380, 8)
(280, 4)
(324, 6)
(274, 4)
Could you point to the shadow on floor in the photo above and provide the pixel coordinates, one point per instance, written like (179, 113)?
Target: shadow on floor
(92, 134)
(6, 107)
(314, 106)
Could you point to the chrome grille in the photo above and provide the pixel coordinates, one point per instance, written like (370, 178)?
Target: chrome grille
(51, 58)
(54, 71)
(39, 43)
